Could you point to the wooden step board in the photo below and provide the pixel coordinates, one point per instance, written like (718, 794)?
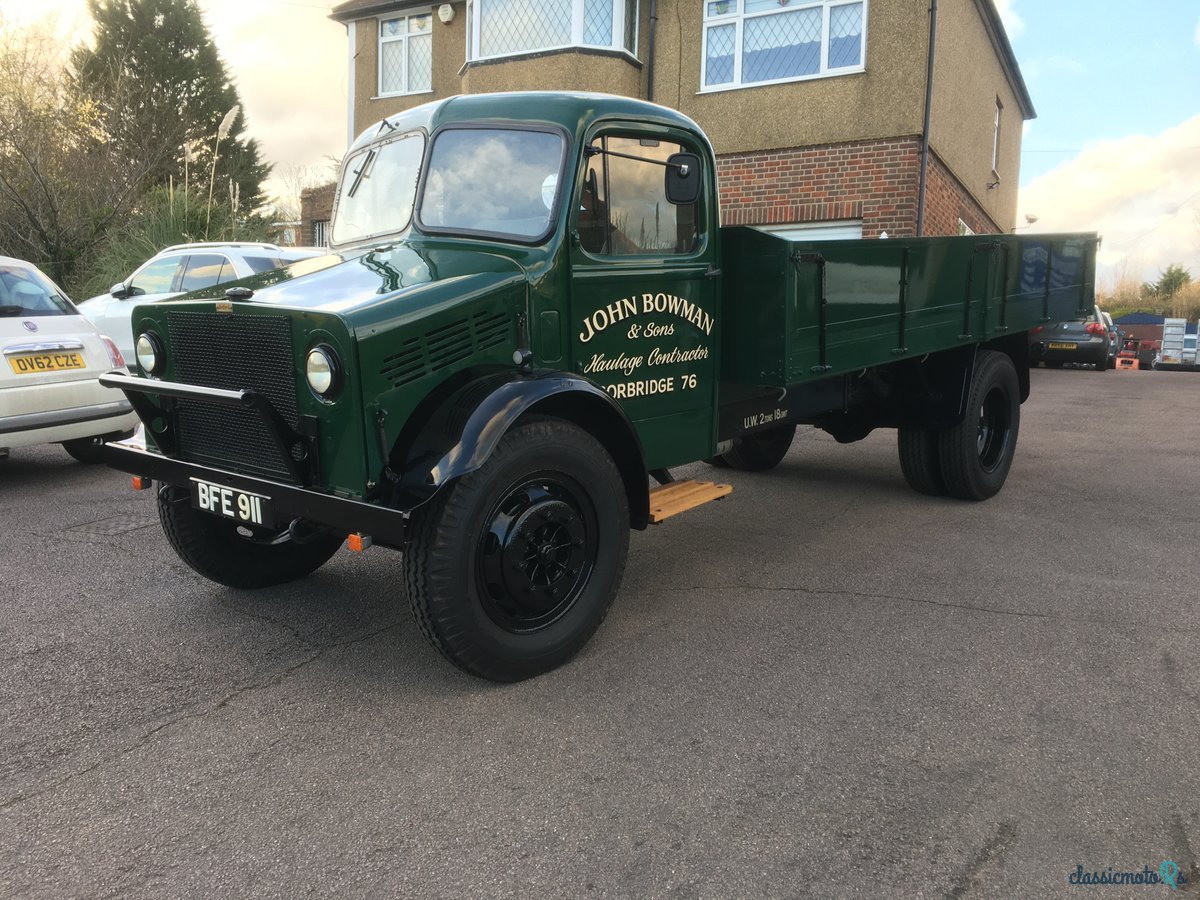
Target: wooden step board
(680, 496)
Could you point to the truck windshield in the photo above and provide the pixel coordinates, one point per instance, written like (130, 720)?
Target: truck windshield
(500, 182)
(378, 186)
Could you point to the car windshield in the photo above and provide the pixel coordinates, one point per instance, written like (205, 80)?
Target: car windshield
(27, 292)
(378, 186)
(499, 182)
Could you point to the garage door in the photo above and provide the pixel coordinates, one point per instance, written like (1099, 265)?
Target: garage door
(817, 231)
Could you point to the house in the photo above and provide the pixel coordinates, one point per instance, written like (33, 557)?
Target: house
(820, 111)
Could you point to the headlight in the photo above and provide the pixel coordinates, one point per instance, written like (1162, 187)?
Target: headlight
(322, 371)
(149, 352)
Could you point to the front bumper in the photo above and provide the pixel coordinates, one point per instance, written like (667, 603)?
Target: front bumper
(385, 525)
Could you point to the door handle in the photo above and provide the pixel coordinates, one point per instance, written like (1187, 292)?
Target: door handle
(712, 272)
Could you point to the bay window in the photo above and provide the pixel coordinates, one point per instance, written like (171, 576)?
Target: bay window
(509, 27)
(749, 42)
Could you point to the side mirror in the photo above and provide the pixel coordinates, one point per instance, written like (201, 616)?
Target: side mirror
(683, 178)
(119, 291)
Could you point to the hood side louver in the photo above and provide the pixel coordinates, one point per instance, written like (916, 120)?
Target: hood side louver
(445, 345)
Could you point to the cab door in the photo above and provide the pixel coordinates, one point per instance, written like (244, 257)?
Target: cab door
(643, 289)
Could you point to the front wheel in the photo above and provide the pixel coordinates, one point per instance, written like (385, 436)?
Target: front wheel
(511, 569)
(977, 453)
(234, 555)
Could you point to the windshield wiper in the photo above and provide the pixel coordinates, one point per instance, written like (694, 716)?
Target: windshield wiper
(361, 173)
(11, 310)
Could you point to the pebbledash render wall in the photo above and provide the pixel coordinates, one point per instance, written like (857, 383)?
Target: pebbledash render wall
(874, 181)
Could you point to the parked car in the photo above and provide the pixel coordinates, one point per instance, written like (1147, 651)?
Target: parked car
(177, 270)
(1116, 338)
(1081, 342)
(52, 358)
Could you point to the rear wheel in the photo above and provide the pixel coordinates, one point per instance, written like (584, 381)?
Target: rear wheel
(511, 569)
(760, 450)
(234, 555)
(920, 460)
(977, 453)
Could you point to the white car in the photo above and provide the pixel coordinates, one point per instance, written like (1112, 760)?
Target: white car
(177, 270)
(51, 359)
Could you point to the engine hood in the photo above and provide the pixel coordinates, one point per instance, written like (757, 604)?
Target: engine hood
(398, 281)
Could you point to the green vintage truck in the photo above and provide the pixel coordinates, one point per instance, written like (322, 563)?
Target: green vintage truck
(528, 317)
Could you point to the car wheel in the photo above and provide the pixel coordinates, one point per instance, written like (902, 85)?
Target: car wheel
(920, 460)
(88, 450)
(761, 450)
(235, 555)
(977, 453)
(512, 568)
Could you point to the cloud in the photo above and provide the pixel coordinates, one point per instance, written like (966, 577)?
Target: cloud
(1013, 23)
(1141, 192)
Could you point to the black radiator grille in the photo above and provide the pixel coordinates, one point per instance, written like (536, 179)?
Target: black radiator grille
(445, 345)
(233, 352)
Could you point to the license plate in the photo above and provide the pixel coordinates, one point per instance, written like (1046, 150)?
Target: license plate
(46, 362)
(1062, 346)
(240, 506)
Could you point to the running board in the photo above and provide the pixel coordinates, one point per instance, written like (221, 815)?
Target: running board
(680, 496)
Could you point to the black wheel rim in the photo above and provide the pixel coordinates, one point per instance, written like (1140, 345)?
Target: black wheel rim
(995, 428)
(536, 553)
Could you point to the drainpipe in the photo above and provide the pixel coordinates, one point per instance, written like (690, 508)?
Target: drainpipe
(650, 52)
(925, 128)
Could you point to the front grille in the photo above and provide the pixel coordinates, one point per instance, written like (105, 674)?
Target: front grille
(233, 352)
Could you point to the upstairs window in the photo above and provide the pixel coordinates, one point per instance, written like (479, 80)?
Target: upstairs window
(510, 27)
(996, 138)
(405, 54)
(748, 42)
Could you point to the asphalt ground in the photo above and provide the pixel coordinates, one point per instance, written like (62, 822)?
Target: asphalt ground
(824, 685)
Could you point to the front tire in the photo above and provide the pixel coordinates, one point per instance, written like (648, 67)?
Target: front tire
(759, 451)
(977, 453)
(218, 549)
(89, 450)
(511, 569)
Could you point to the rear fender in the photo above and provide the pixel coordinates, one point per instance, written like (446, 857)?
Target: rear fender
(457, 434)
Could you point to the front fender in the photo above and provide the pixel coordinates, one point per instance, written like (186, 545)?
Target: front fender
(462, 430)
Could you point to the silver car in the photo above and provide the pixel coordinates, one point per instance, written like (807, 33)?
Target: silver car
(177, 270)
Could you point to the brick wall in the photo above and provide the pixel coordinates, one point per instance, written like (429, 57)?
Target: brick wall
(316, 205)
(947, 201)
(872, 180)
(876, 181)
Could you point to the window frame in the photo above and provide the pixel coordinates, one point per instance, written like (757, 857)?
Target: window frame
(996, 129)
(616, 45)
(380, 40)
(226, 263)
(738, 19)
(504, 237)
(180, 260)
(632, 131)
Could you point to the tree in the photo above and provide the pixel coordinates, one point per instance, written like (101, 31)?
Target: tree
(1170, 281)
(61, 183)
(155, 74)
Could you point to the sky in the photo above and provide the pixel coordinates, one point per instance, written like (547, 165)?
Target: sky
(1115, 147)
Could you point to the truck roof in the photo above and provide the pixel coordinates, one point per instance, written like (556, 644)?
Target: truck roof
(572, 110)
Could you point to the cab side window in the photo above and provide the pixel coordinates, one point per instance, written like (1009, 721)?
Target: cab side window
(623, 206)
(157, 277)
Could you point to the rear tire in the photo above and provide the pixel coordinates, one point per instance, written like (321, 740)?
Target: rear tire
(512, 568)
(977, 453)
(921, 461)
(216, 549)
(761, 450)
